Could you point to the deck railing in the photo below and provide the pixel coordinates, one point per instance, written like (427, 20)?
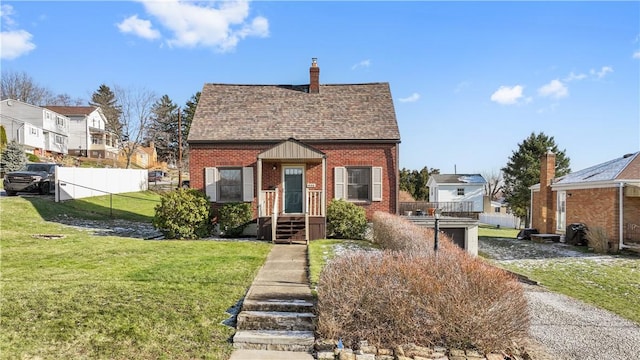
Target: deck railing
(449, 208)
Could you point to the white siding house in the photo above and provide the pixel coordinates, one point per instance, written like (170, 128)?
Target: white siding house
(457, 188)
(39, 130)
(89, 137)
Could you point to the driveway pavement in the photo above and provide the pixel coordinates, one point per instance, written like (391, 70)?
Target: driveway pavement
(567, 328)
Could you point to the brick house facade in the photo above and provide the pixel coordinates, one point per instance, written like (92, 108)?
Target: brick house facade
(606, 195)
(290, 150)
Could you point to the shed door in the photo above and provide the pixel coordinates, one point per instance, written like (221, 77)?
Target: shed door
(293, 190)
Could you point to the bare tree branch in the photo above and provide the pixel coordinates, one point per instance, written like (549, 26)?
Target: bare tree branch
(136, 114)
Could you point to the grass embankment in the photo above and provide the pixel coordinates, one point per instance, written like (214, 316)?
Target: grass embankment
(321, 251)
(612, 283)
(100, 297)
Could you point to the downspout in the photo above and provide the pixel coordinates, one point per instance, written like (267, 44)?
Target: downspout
(621, 216)
(530, 208)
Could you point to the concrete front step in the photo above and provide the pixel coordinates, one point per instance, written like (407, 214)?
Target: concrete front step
(270, 355)
(275, 320)
(292, 305)
(274, 340)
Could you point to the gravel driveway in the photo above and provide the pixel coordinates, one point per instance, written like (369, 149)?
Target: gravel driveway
(567, 328)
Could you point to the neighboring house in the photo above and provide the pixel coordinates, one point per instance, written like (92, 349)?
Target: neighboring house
(289, 150)
(88, 134)
(495, 206)
(144, 157)
(41, 131)
(457, 192)
(606, 195)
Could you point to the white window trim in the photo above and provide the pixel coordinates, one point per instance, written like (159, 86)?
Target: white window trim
(211, 177)
(341, 183)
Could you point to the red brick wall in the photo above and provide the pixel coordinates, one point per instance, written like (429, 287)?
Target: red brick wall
(595, 207)
(383, 155)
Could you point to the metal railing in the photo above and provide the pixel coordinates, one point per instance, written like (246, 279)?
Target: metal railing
(448, 208)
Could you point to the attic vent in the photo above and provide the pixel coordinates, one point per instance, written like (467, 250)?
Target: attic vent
(627, 155)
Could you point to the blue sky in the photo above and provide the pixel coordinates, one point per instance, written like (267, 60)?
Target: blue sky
(470, 80)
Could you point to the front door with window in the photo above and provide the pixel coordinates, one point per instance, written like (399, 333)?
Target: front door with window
(293, 189)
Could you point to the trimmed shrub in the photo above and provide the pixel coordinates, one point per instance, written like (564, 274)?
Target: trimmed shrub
(184, 214)
(33, 158)
(597, 239)
(346, 220)
(409, 295)
(233, 218)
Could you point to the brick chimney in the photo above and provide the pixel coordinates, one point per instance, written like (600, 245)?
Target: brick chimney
(546, 212)
(314, 77)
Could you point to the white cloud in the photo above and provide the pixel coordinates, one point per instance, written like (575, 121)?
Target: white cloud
(572, 77)
(362, 64)
(139, 27)
(202, 24)
(602, 72)
(506, 95)
(636, 55)
(412, 98)
(13, 42)
(555, 89)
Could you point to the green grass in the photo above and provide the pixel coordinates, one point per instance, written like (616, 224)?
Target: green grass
(610, 284)
(100, 297)
(321, 251)
(493, 231)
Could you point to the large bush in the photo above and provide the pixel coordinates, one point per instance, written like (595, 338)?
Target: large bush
(13, 157)
(408, 294)
(233, 218)
(184, 214)
(346, 220)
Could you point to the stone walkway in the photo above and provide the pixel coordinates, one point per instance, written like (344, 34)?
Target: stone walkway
(277, 310)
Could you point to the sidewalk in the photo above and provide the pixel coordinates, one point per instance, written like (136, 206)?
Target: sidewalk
(281, 284)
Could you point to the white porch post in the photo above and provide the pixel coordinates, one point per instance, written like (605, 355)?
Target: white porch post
(259, 186)
(323, 200)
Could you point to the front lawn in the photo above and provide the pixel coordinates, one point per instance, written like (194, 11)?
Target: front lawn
(106, 297)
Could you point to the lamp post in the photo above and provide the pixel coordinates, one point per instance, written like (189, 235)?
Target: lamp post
(436, 217)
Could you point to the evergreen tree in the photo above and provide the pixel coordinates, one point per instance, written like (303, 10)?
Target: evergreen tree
(106, 100)
(163, 129)
(415, 182)
(188, 113)
(13, 157)
(523, 170)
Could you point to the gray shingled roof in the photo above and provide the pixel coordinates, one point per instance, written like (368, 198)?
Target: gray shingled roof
(280, 112)
(606, 171)
(458, 179)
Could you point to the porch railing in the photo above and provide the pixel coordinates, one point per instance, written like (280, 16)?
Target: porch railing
(267, 203)
(314, 203)
(274, 217)
(632, 234)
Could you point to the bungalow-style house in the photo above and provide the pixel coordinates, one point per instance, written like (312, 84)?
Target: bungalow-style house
(606, 195)
(88, 136)
(41, 131)
(457, 192)
(289, 150)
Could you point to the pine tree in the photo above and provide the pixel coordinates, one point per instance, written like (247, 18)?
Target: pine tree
(14, 157)
(163, 129)
(3, 137)
(106, 100)
(523, 170)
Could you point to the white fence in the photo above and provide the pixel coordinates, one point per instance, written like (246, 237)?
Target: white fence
(76, 183)
(504, 220)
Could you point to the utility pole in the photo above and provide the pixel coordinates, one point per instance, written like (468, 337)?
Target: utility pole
(179, 148)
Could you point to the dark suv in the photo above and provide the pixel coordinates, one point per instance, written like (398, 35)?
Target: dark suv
(35, 177)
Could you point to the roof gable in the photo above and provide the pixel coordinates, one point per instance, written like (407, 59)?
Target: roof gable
(291, 149)
(279, 112)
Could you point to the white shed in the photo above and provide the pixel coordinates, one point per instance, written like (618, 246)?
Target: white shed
(452, 188)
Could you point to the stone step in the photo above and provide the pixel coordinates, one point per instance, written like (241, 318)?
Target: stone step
(275, 320)
(291, 305)
(274, 340)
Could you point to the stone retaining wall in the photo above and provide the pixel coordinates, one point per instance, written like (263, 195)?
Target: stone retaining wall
(331, 351)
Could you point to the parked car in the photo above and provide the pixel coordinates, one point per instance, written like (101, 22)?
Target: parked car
(34, 177)
(156, 175)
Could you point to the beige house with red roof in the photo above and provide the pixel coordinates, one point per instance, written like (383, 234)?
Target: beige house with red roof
(289, 150)
(88, 136)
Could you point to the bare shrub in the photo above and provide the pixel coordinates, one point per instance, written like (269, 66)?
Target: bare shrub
(408, 294)
(598, 239)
